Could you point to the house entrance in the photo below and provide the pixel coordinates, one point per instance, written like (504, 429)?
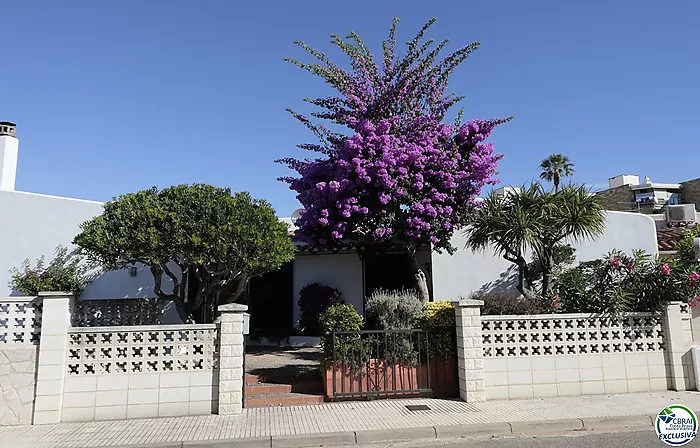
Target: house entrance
(277, 373)
(271, 301)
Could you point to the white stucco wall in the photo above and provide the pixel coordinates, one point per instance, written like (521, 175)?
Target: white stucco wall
(466, 272)
(32, 225)
(340, 271)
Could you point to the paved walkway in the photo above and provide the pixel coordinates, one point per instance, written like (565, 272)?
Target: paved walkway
(335, 418)
(283, 362)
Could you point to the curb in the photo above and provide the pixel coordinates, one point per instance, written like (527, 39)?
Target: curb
(532, 428)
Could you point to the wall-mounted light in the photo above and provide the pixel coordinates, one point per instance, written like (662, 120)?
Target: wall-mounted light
(132, 271)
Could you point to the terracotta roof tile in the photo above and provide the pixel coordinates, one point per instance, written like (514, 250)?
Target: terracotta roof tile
(667, 238)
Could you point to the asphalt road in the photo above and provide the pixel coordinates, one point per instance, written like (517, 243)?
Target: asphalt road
(615, 440)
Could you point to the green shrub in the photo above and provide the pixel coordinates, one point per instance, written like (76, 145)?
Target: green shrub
(340, 317)
(393, 310)
(686, 247)
(439, 320)
(502, 303)
(439, 315)
(620, 283)
(66, 272)
(314, 300)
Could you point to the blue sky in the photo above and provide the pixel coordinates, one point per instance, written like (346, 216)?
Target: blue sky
(113, 97)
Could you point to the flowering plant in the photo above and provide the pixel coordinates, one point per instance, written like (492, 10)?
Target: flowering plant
(402, 174)
(621, 283)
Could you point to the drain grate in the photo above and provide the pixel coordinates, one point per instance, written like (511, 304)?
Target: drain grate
(417, 407)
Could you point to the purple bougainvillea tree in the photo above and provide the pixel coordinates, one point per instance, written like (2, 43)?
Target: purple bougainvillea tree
(401, 175)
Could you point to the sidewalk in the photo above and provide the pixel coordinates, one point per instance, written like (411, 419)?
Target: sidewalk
(352, 421)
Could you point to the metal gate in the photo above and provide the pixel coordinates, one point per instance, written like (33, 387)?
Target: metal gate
(388, 363)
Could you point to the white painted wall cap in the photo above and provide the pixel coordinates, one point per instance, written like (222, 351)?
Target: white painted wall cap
(18, 299)
(55, 294)
(467, 302)
(233, 308)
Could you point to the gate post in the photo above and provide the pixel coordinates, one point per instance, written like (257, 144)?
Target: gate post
(231, 358)
(53, 354)
(470, 356)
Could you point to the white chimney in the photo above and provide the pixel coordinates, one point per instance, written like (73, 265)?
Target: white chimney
(9, 148)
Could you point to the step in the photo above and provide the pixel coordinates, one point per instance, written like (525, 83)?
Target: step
(308, 388)
(267, 388)
(290, 399)
(302, 386)
(253, 379)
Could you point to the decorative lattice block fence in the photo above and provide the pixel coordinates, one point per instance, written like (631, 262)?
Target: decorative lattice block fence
(507, 357)
(117, 312)
(574, 354)
(130, 372)
(68, 360)
(87, 372)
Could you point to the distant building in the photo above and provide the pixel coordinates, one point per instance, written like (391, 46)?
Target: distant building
(625, 193)
(503, 191)
(672, 206)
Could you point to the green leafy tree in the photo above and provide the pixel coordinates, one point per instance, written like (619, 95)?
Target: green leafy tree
(66, 272)
(554, 168)
(535, 220)
(206, 241)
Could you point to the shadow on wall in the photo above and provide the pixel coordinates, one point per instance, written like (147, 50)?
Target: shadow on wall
(121, 285)
(506, 283)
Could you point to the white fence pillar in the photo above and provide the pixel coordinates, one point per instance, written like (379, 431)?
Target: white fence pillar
(675, 345)
(51, 365)
(231, 358)
(470, 360)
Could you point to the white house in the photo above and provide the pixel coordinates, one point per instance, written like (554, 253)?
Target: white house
(32, 225)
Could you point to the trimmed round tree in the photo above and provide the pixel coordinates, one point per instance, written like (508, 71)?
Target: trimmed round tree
(401, 175)
(206, 241)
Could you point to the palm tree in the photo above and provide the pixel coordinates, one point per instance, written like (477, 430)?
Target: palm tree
(555, 167)
(510, 226)
(537, 220)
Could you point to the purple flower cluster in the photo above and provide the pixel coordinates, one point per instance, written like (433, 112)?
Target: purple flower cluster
(379, 185)
(402, 173)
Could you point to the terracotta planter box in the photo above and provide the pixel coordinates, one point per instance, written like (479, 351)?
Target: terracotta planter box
(378, 378)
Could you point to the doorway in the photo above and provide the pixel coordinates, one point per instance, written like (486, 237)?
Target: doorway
(271, 300)
(389, 271)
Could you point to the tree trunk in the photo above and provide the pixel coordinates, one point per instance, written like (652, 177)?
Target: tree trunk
(233, 291)
(547, 275)
(422, 286)
(421, 282)
(179, 302)
(183, 311)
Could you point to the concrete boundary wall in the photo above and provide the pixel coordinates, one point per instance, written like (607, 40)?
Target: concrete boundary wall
(509, 357)
(124, 372)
